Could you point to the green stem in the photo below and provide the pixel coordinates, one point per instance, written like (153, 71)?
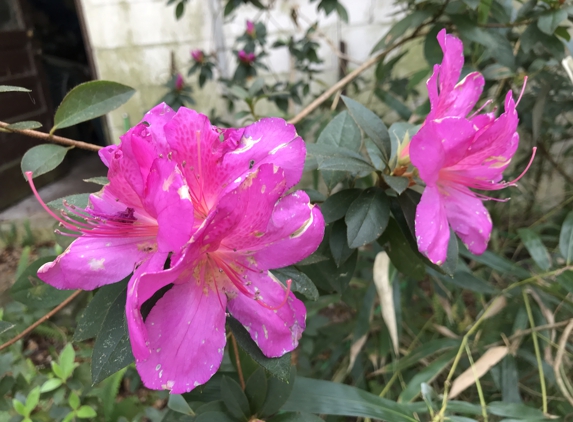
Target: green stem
(537, 352)
(478, 386)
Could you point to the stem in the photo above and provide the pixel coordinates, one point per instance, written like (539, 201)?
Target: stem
(50, 138)
(537, 353)
(41, 320)
(478, 385)
(238, 362)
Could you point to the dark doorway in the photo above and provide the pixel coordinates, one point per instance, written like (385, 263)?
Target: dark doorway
(42, 49)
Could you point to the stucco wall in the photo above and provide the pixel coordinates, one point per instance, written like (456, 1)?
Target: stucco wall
(132, 42)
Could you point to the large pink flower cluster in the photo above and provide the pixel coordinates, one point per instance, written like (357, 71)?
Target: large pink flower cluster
(205, 211)
(454, 152)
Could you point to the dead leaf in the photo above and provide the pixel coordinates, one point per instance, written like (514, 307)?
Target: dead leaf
(386, 295)
(497, 305)
(355, 350)
(489, 359)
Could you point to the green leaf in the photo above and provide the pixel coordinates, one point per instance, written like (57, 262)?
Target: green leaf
(256, 86)
(85, 412)
(367, 217)
(496, 262)
(426, 375)
(28, 124)
(74, 401)
(179, 10)
(432, 50)
(336, 206)
(398, 184)
(409, 22)
(339, 243)
(32, 399)
(371, 124)
(296, 417)
(331, 157)
(90, 100)
(535, 247)
(10, 88)
(514, 410)
(464, 280)
(42, 158)
(20, 408)
(214, 417)
(5, 326)
(33, 292)
(329, 277)
(235, 400)
(278, 392)
(112, 350)
(57, 369)
(66, 361)
(239, 92)
(374, 154)
(300, 281)
(91, 319)
(396, 245)
(565, 279)
(510, 380)
(256, 390)
(341, 132)
(51, 385)
(279, 367)
(178, 404)
(100, 180)
(550, 20)
(330, 398)
(566, 238)
(79, 200)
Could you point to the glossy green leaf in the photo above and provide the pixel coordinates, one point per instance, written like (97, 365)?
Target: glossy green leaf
(374, 154)
(339, 243)
(67, 360)
(336, 206)
(235, 400)
(373, 126)
(33, 292)
(91, 319)
(330, 398)
(10, 88)
(42, 158)
(398, 184)
(328, 276)
(86, 412)
(550, 20)
(51, 385)
(427, 375)
(256, 390)
(341, 132)
(214, 417)
(178, 404)
(90, 100)
(367, 217)
(566, 238)
(329, 157)
(28, 124)
(100, 180)
(464, 280)
(33, 399)
(300, 281)
(406, 260)
(278, 392)
(535, 247)
(496, 262)
(278, 367)
(112, 350)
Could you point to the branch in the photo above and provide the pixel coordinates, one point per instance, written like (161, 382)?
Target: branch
(41, 320)
(5, 127)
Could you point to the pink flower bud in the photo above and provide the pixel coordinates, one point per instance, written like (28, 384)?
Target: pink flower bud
(246, 58)
(179, 82)
(251, 32)
(198, 56)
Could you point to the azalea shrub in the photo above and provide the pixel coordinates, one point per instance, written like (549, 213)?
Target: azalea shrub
(353, 261)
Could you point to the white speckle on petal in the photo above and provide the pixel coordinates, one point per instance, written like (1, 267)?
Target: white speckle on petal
(96, 264)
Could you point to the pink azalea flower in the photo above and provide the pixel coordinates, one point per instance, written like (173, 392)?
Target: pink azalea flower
(250, 29)
(454, 154)
(179, 82)
(213, 200)
(198, 56)
(246, 58)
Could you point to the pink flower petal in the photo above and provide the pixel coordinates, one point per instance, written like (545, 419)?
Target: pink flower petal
(90, 262)
(432, 229)
(468, 217)
(276, 331)
(186, 334)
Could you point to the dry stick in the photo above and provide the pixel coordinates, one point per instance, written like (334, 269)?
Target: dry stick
(41, 320)
(50, 138)
(238, 362)
(559, 359)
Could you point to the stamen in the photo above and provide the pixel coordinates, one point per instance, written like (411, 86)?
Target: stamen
(512, 183)
(275, 308)
(488, 102)
(43, 204)
(522, 91)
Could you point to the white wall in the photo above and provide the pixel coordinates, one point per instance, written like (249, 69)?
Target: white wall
(132, 42)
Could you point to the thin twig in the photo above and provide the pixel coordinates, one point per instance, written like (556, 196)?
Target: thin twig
(41, 320)
(238, 362)
(559, 359)
(478, 385)
(50, 138)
